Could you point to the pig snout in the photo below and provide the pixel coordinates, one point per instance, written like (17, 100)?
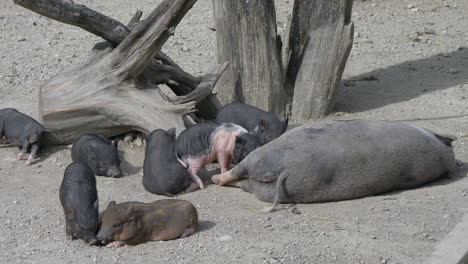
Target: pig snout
(114, 173)
(92, 241)
(104, 236)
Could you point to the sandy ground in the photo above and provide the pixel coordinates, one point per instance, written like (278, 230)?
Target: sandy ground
(422, 79)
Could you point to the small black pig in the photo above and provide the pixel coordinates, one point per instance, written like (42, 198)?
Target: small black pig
(79, 199)
(21, 130)
(133, 223)
(99, 153)
(266, 125)
(162, 172)
(206, 142)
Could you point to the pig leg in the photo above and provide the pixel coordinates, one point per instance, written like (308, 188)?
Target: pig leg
(115, 244)
(267, 192)
(68, 231)
(237, 173)
(193, 170)
(187, 232)
(24, 149)
(224, 161)
(32, 155)
(192, 187)
(263, 191)
(222, 178)
(235, 183)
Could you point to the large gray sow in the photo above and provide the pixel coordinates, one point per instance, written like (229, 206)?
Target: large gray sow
(79, 199)
(99, 153)
(340, 160)
(266, 125)
(162, 172)
(21, 130)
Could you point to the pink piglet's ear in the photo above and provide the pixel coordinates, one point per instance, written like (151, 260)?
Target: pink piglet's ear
(110, 204)
(239, 140)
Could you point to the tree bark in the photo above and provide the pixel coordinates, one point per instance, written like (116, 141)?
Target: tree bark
(321, 40)
(246, 37)
(79, 15)
(115, 92)
(110, 95)
(115, 32)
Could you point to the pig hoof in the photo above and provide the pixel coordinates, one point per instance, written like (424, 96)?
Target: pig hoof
(192, 187)
(219, 179)
(115, 244)
(20, 156)
(215, 179)
(31, 160)
(268, 209)
(92, 242)
(187, 232)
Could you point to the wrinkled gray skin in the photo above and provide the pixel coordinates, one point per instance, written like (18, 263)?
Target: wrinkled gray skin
(162, 172)
(99, 153)
(340, 160)
(79, 199)
(20, 130)
(266, 125)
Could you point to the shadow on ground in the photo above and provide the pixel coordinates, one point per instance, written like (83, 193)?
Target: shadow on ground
(205, 225)
(402, 82)
(126, 166)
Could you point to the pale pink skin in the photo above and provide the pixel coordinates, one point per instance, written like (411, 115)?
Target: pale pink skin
(115, 244)
(223, 146)
(21, 156)
(31, 158)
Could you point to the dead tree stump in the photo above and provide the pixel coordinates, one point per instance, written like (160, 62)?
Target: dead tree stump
(321, 39)
(301, 71)
(246, 37)
(117, 91)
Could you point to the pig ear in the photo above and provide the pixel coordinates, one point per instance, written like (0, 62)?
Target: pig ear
(110, 204)
(262, 124)
(285, 125)
(133, 214)
(239, 140)
(91, 154)
(171, 132)
(96, 204)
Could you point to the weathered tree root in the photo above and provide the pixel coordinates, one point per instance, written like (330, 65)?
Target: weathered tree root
(116, 91)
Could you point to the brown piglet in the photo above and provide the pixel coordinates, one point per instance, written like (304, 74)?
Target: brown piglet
(133, 223)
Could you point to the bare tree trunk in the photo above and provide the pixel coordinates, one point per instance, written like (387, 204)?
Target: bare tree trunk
(321, 39)
(246, 37)
(304, 72)
(163, 70)
(117, 90)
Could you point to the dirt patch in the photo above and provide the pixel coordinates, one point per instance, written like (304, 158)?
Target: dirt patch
(413, 51)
